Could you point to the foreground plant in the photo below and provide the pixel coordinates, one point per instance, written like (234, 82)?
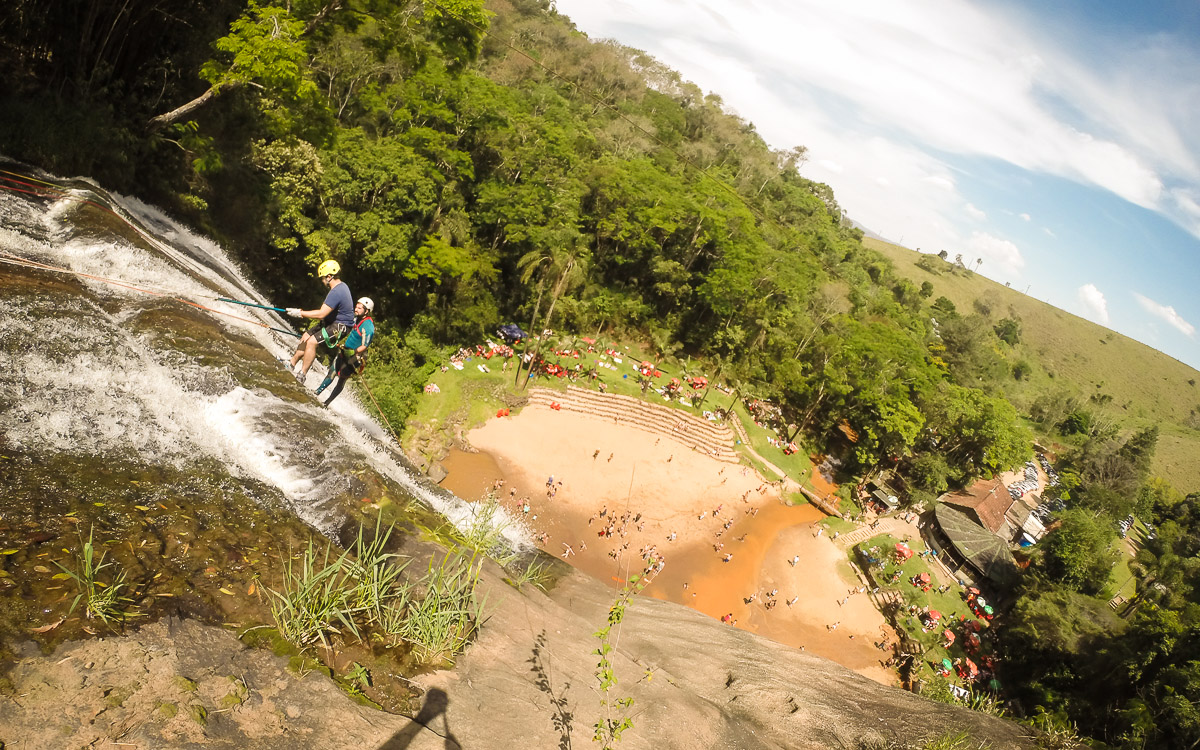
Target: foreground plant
(375, 573)
(440, 621)
(609, 727)
(106, 602)
(316, 600)
(362, 591)
(485, 535)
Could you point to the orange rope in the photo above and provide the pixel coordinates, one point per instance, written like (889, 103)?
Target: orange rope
(17, 260)
(54, 191)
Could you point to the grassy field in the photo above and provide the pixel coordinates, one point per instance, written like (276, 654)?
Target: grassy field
(469, 397)
(1141, 386)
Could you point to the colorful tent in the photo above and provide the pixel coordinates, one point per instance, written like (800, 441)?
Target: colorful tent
(903, 551)
(933, 614)
(972, 669)
(923, 578)
(948, 634)
(947, 663)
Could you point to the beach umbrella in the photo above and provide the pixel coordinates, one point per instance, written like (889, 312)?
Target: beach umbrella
(948, 634)
(923, 578)
(934, 614)
(972, 668)
(947, 663)
(987, 609)
(973, 640)
(981, 601)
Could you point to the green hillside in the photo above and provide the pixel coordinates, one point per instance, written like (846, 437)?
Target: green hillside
(1117, 377)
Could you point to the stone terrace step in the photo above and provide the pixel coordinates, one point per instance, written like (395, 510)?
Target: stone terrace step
(715, 440)
(653, 423)
(617, 403)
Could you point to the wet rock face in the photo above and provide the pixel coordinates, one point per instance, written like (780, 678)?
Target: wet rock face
(177, 684)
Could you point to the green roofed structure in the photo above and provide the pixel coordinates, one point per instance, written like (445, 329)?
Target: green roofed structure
(984, 552)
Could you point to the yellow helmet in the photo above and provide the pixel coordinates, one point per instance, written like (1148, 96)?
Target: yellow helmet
(328, 268)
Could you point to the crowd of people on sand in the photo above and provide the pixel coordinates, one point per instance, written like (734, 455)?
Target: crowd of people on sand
(620, 532)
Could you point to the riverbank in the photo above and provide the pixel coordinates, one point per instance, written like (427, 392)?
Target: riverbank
(726, 539)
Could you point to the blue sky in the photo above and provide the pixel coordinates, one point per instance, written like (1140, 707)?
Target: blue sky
(1054, 140)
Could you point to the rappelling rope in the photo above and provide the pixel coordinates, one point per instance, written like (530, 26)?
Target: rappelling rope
(43, 189)
(15, 260)
(362, 378)
(49, 191)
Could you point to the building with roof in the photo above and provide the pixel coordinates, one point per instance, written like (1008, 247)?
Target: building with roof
(973, 546)
(990, 504)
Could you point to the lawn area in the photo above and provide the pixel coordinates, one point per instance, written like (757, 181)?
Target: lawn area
(834, 524)
(486, 392)
(880, 553)
(797, 466)
(469, 396)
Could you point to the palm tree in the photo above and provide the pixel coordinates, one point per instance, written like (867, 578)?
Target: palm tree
(563, 266)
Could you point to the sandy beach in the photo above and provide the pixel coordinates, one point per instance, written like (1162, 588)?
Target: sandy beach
(726, 539)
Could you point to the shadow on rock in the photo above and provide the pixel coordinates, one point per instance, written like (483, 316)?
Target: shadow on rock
(435, 705)
(562, 717)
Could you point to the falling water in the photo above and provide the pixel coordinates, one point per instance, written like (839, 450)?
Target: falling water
(117, 368)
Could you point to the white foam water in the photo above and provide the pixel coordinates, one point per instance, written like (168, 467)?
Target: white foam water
(87, 384)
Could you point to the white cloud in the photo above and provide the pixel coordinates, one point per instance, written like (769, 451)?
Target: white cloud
(1000, 257)
(1025, 217)
(1095, 306)
(953, 77)
(976, 213)
(1167, 313)
(940, 181)
(1049, 232)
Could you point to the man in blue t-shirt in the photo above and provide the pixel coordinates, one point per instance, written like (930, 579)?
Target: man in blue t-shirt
(351, 358)
(334, 318)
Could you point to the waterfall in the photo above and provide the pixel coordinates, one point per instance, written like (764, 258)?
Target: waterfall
(103, 360)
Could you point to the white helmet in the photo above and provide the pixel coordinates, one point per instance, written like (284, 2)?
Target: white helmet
(367, 303)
